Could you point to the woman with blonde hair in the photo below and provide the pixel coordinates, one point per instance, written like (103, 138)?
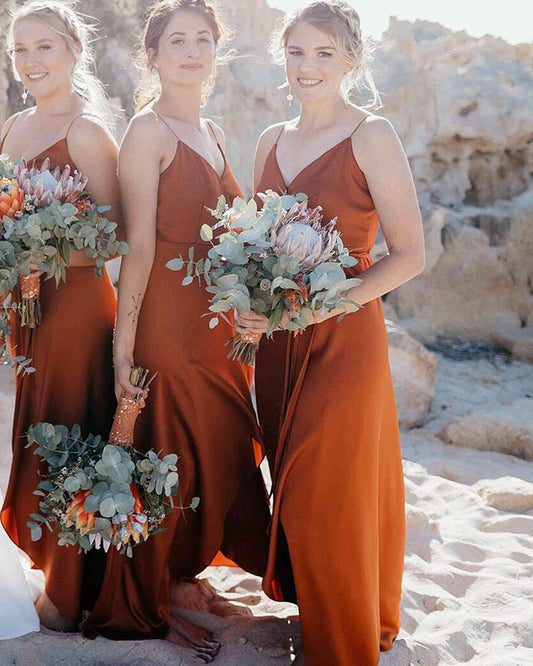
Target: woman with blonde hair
(171, 166)
(325, 397)
(71, 350)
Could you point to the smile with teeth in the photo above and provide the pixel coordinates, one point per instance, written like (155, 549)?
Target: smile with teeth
(36, 77)
(309, 82)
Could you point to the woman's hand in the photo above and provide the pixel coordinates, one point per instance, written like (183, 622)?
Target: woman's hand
(123, 366)
(35, 271)
(250, 322)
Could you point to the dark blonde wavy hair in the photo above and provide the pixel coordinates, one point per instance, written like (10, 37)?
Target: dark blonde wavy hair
(341, 22)
(78, 33)
(158, 16)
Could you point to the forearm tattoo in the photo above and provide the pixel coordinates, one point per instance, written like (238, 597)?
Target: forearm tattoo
(134, 312)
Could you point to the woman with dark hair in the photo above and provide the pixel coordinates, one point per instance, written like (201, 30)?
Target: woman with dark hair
(172, 164)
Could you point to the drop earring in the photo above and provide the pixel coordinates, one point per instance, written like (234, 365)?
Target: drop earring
(290, 98)
(24, 96)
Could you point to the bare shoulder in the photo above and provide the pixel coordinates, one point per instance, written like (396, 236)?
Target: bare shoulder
(8, 124)
(88, 130)
(374, 129)
(375, 138)
(269, 136)
(145, 129)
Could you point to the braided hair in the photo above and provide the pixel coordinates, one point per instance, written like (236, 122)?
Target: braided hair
(341, 22)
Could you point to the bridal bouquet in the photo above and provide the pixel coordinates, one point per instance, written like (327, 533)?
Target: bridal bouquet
(44, 216)
(276, 260)
(99, 494)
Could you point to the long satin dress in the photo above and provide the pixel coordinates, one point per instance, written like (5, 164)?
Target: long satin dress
(71, 352)
(199, 407)
(326, 405)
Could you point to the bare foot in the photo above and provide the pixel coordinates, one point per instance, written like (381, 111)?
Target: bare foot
(200, 595)
(50, 616)
(192, 636)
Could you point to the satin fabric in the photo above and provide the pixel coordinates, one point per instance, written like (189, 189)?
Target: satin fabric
(71, 352)
(326, 405)
(199, 407)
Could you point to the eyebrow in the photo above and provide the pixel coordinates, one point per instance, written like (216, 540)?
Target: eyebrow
(40, 41)
(200, 32)
(317, 48)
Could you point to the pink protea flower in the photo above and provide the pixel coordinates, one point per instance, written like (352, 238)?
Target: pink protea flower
(42, 186)
(299, 233)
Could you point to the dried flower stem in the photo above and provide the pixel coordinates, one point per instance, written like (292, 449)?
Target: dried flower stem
(30, 307)
(244, 348)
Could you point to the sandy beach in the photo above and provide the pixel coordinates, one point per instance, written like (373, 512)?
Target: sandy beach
(468, 582)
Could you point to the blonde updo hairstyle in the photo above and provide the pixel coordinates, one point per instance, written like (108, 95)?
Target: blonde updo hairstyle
(61, 17)
(158, 16)
(340, 21)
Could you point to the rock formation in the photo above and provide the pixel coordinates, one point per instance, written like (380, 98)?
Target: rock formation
(462, 108)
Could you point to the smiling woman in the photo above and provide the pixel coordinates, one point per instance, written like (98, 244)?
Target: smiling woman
(71, 350)
(325, 398)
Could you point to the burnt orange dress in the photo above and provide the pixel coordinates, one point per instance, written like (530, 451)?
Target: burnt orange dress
(326, 405)
(71, 352)
(200, 408)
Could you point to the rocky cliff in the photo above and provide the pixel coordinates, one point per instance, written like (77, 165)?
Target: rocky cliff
(462, 107)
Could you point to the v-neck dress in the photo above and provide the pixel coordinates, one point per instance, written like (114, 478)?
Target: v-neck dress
(326, 405)
(71, 352)
(200, 408)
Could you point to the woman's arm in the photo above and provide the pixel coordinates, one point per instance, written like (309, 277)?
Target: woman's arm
(382, 159)
(8, 124)
(95, 153)
(139, 165)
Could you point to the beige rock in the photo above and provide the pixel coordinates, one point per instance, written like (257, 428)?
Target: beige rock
(458, 105)
(477, 283)
(507, 493)
(508, 429)
(519, 343)
(462, 108)
(414, 373)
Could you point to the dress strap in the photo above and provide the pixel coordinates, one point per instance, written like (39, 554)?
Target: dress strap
(212, 130)
(280, 133)
(8, 130)
(83, 113)
(358, 125)
(165, 123)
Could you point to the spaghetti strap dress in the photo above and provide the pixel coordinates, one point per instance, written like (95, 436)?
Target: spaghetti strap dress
(199, 408)
(326, 405)
(71, 352)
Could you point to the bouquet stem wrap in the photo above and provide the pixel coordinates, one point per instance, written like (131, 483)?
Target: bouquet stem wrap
(30, 307)
(127, 411)
(244, 347)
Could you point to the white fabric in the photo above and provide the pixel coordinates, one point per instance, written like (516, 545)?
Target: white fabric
(20, 586)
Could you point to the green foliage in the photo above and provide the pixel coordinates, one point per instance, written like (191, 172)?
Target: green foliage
(98, 494)
(46, 235)
(275, 260)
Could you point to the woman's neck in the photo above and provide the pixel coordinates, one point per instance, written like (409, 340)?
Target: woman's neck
(181, 104)
(64, 103)
(321, 114)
